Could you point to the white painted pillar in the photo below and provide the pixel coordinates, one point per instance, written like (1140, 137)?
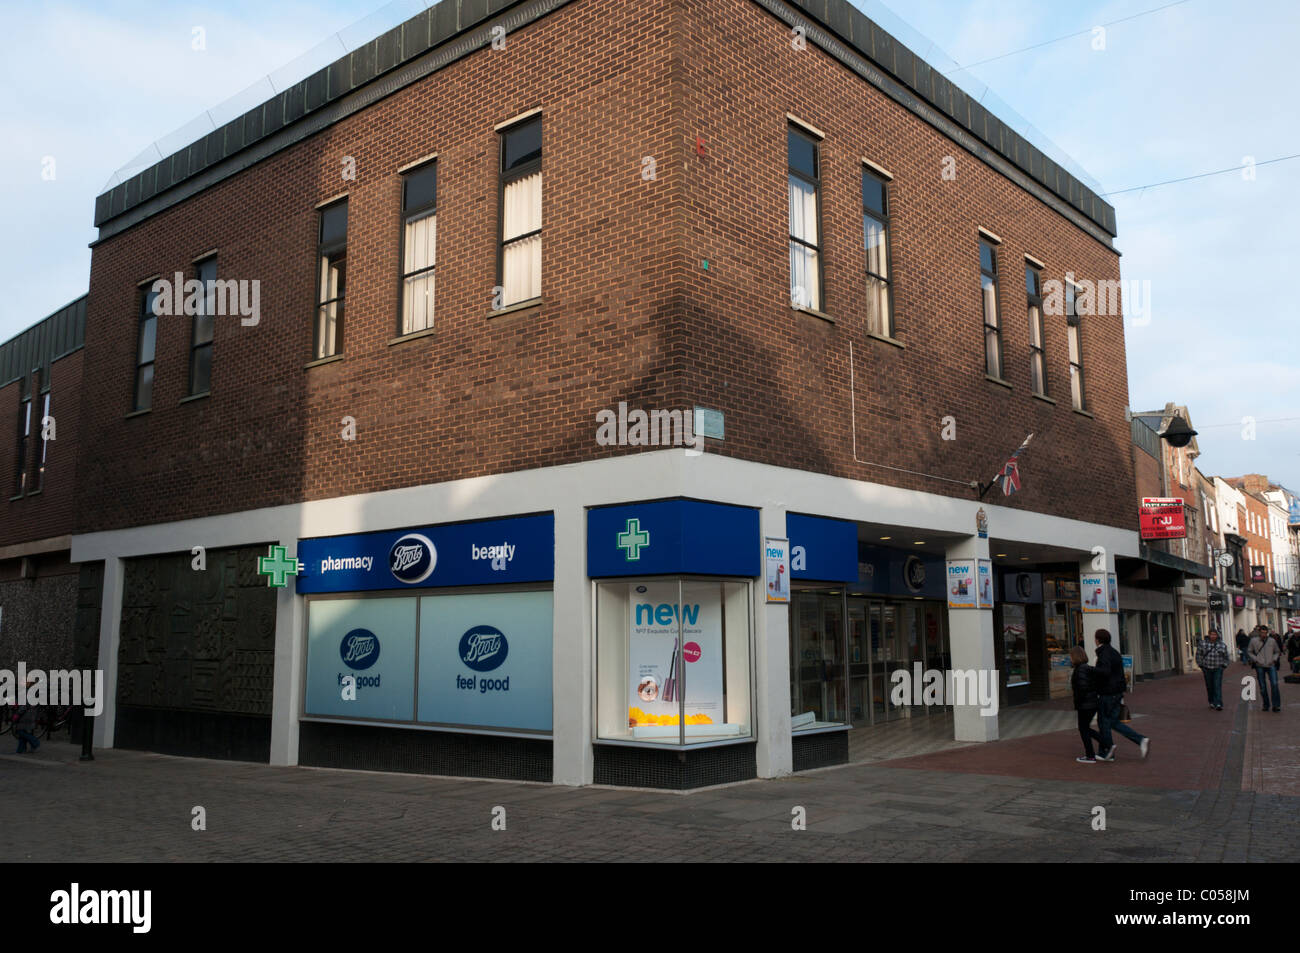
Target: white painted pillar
(572, 676)
(971, 637)
(772, 668)
(110, 638)
(290, 656)
(1092, 621)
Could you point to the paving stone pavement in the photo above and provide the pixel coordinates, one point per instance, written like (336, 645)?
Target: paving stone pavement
(1219, 787)
(132, 806)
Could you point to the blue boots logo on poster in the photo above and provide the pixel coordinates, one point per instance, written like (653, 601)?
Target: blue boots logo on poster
(359, 649)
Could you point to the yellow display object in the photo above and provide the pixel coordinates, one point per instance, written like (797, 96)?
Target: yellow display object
(636, 717)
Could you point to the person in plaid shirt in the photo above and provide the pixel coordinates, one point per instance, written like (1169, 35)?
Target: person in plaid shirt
(1212, 656)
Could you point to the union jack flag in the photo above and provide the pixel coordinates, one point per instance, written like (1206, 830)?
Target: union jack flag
(1009, 476)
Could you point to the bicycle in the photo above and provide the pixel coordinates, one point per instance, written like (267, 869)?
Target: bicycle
(51, 719)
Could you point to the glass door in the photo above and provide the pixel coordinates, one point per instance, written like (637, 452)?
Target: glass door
(859, 663)
(890, 656)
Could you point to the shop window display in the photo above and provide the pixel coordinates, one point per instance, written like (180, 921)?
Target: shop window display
(673, 661)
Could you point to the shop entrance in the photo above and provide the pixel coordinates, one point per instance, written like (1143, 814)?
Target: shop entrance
(845, 649)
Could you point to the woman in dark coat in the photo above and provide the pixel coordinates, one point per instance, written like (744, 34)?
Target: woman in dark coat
(1083, 682)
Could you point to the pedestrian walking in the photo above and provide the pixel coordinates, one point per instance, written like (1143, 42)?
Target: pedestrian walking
(1293, 652)
(1212, 657)
(1110, 696)
(1083, 680)
(1264, 654)
(25, 728)
(1243, 640)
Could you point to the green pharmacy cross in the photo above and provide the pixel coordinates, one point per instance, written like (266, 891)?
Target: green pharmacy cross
(277, 565)
(632, 539)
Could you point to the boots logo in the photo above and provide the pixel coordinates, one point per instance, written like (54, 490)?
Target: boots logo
(412, 558)
(359, 649)
(483, 648)
(914, 573)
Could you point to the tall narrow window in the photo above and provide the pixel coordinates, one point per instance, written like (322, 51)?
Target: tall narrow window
(146, 340)
(201, 336)
(875, 239)
(419, 247)
(1077, 395)
(805, 225)
(331, 279)
(989, 295)
(24, 438)
(520, 264)
(1037, 359)
(43, 388)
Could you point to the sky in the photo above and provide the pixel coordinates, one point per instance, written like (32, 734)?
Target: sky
(1192, 88)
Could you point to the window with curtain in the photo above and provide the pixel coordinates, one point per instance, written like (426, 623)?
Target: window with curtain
(331, 279)
(201, 337)
(45, 443)
(1037, 357)
(520, 264)
(419, 247)
(805, 230)
(146, 342)
(989, 296)
(1077, 395)
(24, 439)
(875, 240)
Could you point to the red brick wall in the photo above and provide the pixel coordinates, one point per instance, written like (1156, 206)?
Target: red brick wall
(482, 395)
(783, 377)
(51, 512)
(628, 312)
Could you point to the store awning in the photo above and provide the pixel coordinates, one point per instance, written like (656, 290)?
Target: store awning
(1157, 568)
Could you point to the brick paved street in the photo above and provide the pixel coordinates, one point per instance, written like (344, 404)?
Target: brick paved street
(1198, 798)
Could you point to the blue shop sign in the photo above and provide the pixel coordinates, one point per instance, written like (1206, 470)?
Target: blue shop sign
(822, 549)
(488, 552)
(896, 572)
(673, 536)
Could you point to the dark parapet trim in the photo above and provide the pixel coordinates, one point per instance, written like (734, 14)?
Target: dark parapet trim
(941, 103)
(320, 94)
(44, 342)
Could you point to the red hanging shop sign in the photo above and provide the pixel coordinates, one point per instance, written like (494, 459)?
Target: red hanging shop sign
(1162, 518)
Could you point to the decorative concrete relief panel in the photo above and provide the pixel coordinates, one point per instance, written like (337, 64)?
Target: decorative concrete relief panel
(198, 640)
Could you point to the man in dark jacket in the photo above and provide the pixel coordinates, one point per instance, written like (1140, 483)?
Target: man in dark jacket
(1110, 695)
(1243, 640)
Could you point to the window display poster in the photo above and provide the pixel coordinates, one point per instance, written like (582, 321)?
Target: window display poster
(655, 689)
(1015, 647)
(1112, 592)
(485, 660)
(776, 569)
(372, 640)
(985, 584)
(961, 584)
(1092, 592)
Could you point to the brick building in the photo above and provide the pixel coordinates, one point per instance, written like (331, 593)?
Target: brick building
(1257, 529)
(482, 270)
(41, 389)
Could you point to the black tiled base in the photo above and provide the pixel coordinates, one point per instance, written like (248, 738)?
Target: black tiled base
(676, 769)
(194, 734)
(409, 751)
(820, 750)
